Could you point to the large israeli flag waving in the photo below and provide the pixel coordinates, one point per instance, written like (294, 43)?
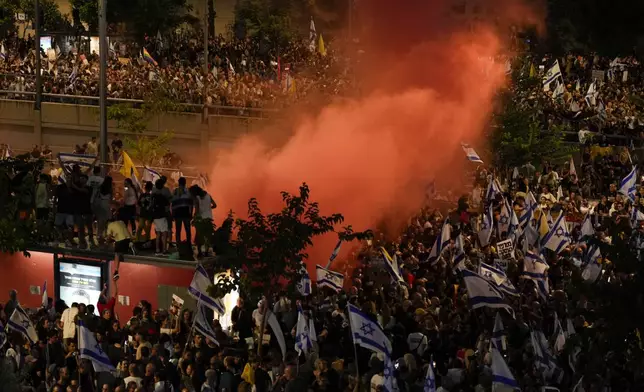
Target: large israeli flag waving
(327, 278)
(472, 156)
(20, 322)
(628, 184)
(482, 293)
(90, 349)
(501, 374)
(558, 238)
(199, 290)
(441, 242)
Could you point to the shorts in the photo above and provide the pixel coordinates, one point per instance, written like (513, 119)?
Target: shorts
(161, 225)
(64, 220)
(122, 246)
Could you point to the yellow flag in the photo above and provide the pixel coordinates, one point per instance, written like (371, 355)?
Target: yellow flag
(321, 47)
(533, 71)
(128, 166)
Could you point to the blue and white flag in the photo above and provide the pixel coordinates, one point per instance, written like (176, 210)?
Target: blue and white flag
(430, 379)
(199, 290)
(535, 268)
(3, 335)
(303, 340)
(528, 213)
(486, 227)
(587, 229)
(21, 323)
(544, 358)
(501, 374)
(508, 221)
(636, 216)
(497, 277)
(459, 253)
(90, 349)
(628, 184)
(150, 175)
(304, 285)
(367, 333)
(202, 325)
(45, 299)
(68, 161)
(592, 270)
(334, 254)
(559, 336)
(388, 373)
(552, 75)
(558, 238)
(472, 156)
(327, 278)
(391, 264)
(482, 293)
(493, 189)
(441, 242)
(313, 35)
(3, 56)
(498, 333)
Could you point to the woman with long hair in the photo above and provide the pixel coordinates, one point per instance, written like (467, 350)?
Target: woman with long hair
(101, 207)
(130, 198)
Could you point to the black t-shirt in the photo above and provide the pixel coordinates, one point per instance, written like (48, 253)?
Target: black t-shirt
(159, 206)
(82, 200)
(63, 195)
(145, 203)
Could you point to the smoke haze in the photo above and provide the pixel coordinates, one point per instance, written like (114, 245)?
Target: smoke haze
(428, 86)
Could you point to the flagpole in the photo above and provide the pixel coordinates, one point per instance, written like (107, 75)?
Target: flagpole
(194, 322)
(103, 48)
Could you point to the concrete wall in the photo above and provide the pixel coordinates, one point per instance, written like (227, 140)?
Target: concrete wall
(62, 126)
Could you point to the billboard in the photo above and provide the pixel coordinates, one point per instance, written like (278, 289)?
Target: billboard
(79, 280)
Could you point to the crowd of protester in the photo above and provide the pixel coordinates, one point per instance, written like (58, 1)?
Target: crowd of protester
(242, 73)
(554, 336)
(598, 95)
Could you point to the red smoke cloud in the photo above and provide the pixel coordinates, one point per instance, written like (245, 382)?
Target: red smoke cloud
(372, 158)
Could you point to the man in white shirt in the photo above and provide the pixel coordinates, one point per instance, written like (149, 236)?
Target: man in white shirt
(68, 319)
(132, 376)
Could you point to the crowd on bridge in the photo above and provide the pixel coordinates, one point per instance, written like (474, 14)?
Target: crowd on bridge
(500, 290)
(241, 73)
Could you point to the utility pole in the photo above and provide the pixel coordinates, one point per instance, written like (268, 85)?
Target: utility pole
(37, 25)
(206, 26)
(103, 48)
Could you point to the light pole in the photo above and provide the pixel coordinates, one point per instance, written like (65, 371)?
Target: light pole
(37, 23)
(103, 48)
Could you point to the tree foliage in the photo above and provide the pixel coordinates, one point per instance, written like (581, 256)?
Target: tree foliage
(146, 17)
(87, 12)
(272, 21)
(518, 135)
(268, 250)
(143, 148)
(17, 185)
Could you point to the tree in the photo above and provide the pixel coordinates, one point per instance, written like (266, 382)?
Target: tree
(53, 19)
(18, 230)
(518, 136)
(87, 12)
(269, 20)
(143, 17)
(7, 22)
(144, 149)
(269, 251)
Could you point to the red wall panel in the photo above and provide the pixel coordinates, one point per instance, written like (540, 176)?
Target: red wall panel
(137, 281)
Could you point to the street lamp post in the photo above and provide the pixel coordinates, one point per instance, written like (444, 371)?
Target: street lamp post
(103, 48)
(37, 25)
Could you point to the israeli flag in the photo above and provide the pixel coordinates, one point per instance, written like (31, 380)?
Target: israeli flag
(560, 336)
(327, 278)
(493, 189)
(3, 335)
(498, 333)
(303, 341)
(528, 214)
(535, 268)
(544, 358)
(591, 95)
(304, 286)
(21, 323)
(498, 278)
(558, 238)
(334, 254)
(487, 225)
(459, 253)
(367, 333)
(627, 186)
(482, 293)
(150, 175)
(472, 156)
(202, 325)
(199, 290)
(508, 221)
(587, 229)
(90, 349)
(501, 374)
(391, 264)
(592, 270)
(636, 216)
(441, 242)
(68, 161)
(430, 379)
(45, 299)
(390, 384)
(553, 74)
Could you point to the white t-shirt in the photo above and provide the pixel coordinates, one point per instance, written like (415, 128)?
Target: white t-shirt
(205, 212)
(418, 342)
(129, 199)
(129, 379)
(69, 327)
(376, 381)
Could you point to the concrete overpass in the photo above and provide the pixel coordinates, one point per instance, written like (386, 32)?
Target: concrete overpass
(64, 125)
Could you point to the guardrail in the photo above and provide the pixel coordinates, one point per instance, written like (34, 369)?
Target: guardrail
(212, 110)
